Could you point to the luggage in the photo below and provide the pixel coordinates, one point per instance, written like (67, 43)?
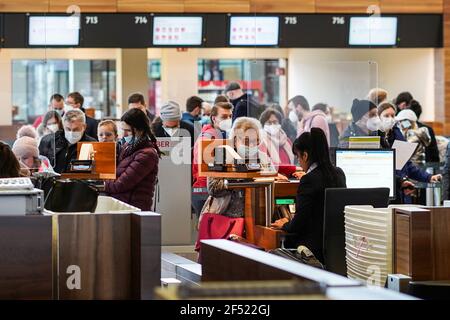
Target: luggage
(71, 196)
(216, 226)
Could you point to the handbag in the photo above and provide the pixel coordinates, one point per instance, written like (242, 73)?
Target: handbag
(216, 226)
(302, 254)
(71, 196)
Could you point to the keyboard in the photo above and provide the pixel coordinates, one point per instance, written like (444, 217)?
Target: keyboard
(16, 184)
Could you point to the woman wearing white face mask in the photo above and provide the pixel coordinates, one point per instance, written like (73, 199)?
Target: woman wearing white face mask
(276, 143)
(51, 123)
(389, 132)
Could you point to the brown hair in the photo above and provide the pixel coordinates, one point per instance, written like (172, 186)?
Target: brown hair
(268, 113)
(223, 105)
(9, 165)
(109, 123)
(77, 97)
(221, 98)
(136, 98)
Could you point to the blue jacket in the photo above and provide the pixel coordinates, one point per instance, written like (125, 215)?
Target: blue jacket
(189, 118)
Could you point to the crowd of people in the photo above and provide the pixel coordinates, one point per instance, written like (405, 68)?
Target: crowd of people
(295, 140)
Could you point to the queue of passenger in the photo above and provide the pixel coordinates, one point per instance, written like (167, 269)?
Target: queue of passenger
(295, 140)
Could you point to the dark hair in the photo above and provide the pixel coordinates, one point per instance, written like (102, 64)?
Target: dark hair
(277, 107)
(56, 97)
(9, 165)
(136, 98)
(52, 114)
(77, 97)
(316, 145)
(138, 120)
(268, 113)
(415, 106)
(403, 97)
(300, 100)
(221, 98)
(320, 106)
(193, 102)
(216, 106)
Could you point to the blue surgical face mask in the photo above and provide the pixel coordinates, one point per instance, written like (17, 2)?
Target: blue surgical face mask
(205, 120)
(128, 139)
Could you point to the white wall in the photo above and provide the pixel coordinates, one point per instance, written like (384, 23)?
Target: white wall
(337, 76)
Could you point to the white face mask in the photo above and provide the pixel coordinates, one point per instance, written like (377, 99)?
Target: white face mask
(171, 131)
(293, 116)
(68, 107)
(272, 129)
(373, 124)
(225, 125)
(387, 123)
(53, 127)
(60, 112)
(73, 136)
(245, 151)
(329, 118)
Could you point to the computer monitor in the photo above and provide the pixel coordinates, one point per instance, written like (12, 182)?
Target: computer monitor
(373, 31)
(177, 31)
(368, 168)
(53, 31)
(254, 31)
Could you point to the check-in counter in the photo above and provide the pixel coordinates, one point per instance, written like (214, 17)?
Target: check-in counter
(422, 242)
(80, 256)
(227, 261)
(260, 189)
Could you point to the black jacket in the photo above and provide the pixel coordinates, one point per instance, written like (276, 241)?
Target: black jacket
(57, 149)
(159, 132)
(432, 151)
(91, 125)
(307, 223)
(246, 106)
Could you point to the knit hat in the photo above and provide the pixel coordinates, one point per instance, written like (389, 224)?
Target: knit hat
(232, 86)
(27, 131)
(25, 146)
(384, 106)
(360, 108)
(170, 111)
(406, 114)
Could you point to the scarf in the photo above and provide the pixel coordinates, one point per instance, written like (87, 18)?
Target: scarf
(275, 143)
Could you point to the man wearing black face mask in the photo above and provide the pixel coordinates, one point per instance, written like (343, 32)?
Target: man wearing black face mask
(243, 103)
(365, 121)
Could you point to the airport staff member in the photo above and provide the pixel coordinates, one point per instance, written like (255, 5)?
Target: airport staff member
(311, 149)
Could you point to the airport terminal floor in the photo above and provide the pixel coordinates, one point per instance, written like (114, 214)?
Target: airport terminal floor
(266, 151)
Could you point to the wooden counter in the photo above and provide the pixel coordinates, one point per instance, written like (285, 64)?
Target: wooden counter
(26, 257)
(422, 243)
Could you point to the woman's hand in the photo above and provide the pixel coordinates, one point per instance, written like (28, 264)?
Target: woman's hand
(279, 223)
(436, 178)
(281, 177)
(408, 187)
(298, 174)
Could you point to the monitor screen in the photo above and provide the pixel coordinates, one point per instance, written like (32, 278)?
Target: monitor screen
(254, 31)
(53, 31)
(368, 168)
(181, 31)
(373, 31)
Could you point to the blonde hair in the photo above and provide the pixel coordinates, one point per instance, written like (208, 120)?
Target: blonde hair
(242, 125)
(109, 123)
(377, 95)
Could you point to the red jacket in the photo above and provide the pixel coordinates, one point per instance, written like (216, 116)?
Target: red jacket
(208, 132)
(136, 177)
